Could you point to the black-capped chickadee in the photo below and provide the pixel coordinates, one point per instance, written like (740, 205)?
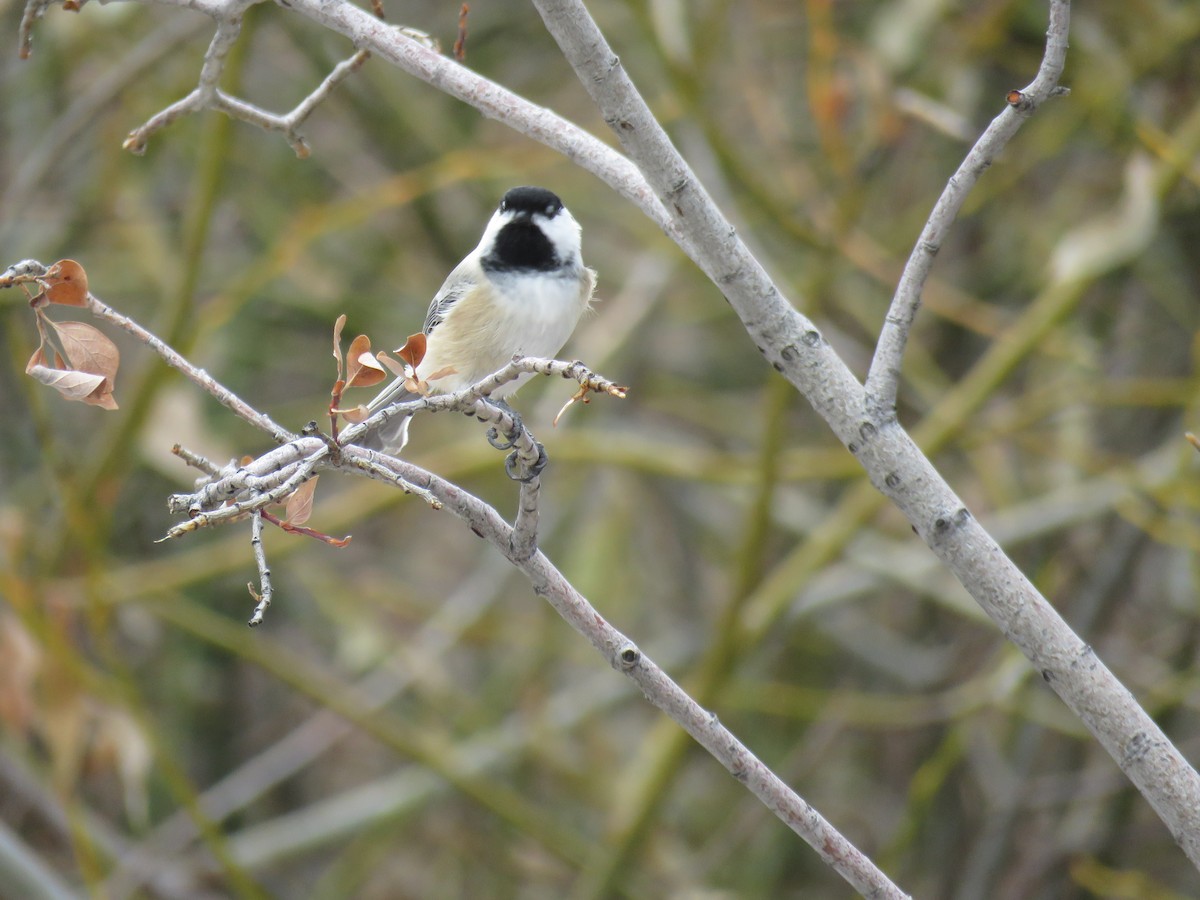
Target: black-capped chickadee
(520, 292)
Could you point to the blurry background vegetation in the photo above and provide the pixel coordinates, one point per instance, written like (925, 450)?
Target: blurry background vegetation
(411, 721)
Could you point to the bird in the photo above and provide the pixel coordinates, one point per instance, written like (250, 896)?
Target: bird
(520, 292)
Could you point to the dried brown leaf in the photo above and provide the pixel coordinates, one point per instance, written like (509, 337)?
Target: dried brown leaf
(88, 349)
(337, 342)
(102, 397)
(84, 387)
(394, 365)
(362, 369)
(65, 283)
(299, 505)
(413, 350)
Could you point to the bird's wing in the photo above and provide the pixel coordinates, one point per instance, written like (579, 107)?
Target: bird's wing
(457, 283)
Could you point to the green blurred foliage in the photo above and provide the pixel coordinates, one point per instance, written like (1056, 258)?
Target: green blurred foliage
(411, 721)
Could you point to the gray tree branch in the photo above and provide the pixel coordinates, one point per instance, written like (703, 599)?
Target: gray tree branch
(895, 464)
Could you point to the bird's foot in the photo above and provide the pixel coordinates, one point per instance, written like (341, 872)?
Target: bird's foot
(509, 440)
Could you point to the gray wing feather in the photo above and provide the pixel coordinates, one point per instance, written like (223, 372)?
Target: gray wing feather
(392, 437)
(457, 283)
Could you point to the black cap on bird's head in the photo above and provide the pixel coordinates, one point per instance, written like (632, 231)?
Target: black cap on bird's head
(530, 200)
(522, 242)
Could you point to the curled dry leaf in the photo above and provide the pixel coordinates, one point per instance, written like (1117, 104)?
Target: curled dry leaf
(413, 350)
(405, 372)
(88, 350)
(88, 373)
(337, 342)
(85, 387)
(394, 366)
(65, 283)
(300, 503)
(362, 369)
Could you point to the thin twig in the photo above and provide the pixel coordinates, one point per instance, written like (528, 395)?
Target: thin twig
(34, 10)
(255, 492)
(376, 466)
(415, 55)
(197, 376)
(264, 592)
(883, 378)
(196, 461)
(207, 95)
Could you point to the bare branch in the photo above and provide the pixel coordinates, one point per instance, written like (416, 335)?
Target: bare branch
(254, 491)
(263, 594)
(373, 466)
(883, 379)
(207, 94)
(229, 28)
(471, 401)
(273, 476)
(523, 542)
(894, 463)
(417, 58)
(196, 461)
(197, 376)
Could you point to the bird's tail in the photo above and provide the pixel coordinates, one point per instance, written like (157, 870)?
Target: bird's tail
(393, 435)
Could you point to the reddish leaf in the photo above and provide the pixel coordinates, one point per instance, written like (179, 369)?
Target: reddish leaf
(362, 369)
(65, 283)
(413, 350)
(299, 505)
(102, 397)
